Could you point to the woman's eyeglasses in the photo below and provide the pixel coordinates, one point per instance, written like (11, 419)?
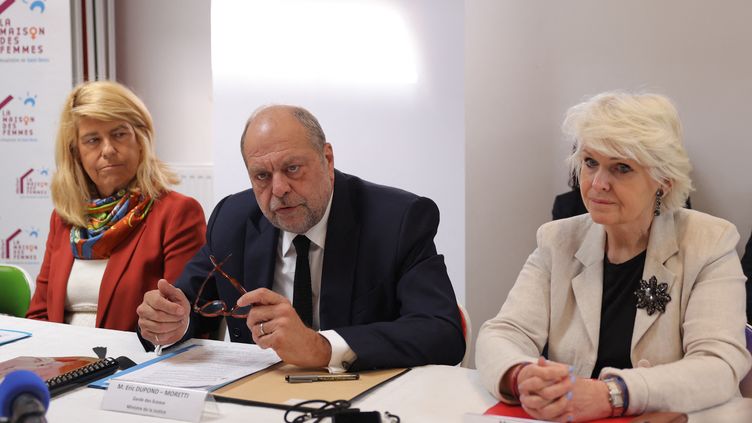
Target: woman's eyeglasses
(219, 307)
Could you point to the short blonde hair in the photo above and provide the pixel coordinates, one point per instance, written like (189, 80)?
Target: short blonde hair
(107, 101)
(640, 127)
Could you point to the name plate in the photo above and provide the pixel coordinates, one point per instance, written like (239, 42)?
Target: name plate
(154, 400)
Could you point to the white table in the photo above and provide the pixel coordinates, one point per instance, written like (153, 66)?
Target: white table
(424, 394)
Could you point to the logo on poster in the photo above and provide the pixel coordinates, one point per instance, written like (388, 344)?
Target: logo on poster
(39, 5)
(18, 117)
(21, 38)
(34, 183)
(21, 246)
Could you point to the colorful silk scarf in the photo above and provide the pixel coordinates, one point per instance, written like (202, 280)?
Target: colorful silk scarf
(111, 220)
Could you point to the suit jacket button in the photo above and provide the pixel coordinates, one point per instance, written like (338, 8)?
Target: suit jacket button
(236, 332)
(643, 363)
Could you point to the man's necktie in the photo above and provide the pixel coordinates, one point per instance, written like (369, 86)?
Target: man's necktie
(302, 299)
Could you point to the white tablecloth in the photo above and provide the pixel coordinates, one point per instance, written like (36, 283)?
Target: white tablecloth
(424, 394)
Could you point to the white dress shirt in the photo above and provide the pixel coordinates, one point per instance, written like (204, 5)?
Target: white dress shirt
(284, 275)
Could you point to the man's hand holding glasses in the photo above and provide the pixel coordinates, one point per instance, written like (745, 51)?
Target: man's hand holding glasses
(164, 316)
(275, 324)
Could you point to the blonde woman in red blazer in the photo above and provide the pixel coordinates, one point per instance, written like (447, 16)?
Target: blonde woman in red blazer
(116, 228)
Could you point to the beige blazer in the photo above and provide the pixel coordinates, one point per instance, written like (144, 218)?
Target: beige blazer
(688, 358)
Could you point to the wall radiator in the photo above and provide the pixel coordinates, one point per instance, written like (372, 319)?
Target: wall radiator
(197, 181)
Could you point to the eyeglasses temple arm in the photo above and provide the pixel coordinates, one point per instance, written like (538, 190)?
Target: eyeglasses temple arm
(232, 280)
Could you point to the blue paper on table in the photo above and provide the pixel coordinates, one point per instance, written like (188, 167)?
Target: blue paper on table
(105, 381)
(8, 335)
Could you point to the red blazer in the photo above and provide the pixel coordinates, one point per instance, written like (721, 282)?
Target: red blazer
(159, 248)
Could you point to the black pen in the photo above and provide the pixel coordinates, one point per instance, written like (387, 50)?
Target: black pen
(321, 378)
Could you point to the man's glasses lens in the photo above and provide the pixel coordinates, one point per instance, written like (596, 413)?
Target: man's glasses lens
(240, 312)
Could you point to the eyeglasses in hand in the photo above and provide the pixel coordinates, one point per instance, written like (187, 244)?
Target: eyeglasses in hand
(219, 307)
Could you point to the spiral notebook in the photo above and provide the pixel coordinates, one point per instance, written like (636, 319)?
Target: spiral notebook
(62, 374)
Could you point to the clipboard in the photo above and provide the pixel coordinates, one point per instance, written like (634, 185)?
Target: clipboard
(268, 388)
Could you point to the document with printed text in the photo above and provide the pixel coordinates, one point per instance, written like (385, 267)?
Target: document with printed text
(205, 366)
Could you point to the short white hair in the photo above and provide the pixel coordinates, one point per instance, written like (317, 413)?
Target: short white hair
(640, 127)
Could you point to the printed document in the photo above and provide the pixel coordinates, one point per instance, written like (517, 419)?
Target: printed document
(205, 366)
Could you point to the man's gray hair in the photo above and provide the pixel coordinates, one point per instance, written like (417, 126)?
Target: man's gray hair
(307, 119)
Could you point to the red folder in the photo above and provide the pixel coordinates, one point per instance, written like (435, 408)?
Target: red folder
(507, 410)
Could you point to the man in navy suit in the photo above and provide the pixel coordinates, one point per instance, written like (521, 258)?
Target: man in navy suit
(378, 296)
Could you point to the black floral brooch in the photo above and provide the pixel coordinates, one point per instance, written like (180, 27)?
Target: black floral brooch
(652, 296)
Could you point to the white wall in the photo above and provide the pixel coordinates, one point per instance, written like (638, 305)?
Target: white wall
(528, 60)
(163, 54)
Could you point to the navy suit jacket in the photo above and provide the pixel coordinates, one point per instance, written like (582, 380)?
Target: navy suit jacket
(384, 288)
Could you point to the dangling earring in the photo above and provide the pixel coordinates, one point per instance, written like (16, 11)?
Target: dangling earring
(658, 196)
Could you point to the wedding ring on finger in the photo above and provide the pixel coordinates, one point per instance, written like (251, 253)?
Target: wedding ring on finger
(261, 329)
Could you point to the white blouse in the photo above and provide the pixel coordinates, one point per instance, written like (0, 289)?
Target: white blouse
(82, 295)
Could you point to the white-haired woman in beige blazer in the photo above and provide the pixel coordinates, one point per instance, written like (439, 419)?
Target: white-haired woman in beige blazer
(638, 305)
